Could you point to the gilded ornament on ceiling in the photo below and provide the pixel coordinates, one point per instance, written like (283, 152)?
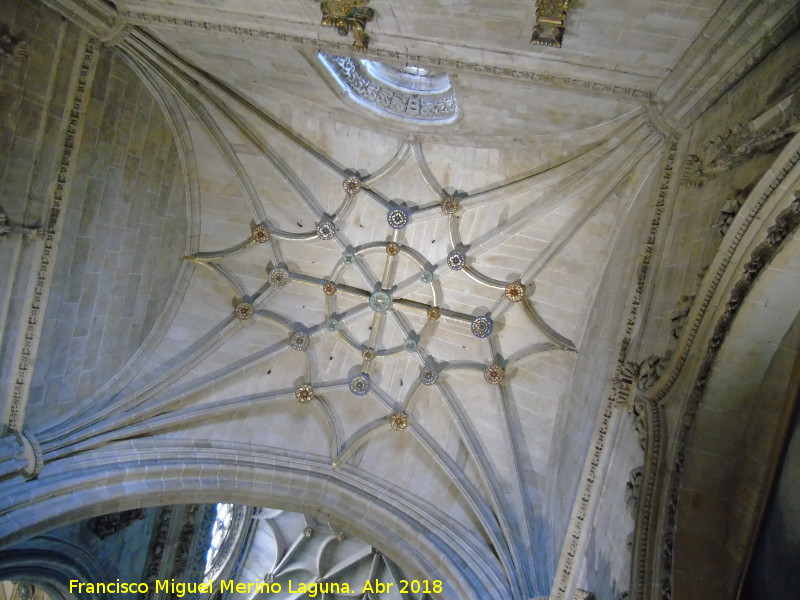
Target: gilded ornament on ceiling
(243, 311)
(399, 421)
(494, 374)
(346, 17)
(260, 234)
(515, 292)
(551, 20)
(351, 185)
(304, 393)
(449, 205)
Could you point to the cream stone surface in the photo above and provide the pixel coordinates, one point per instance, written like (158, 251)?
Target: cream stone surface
(640, 183)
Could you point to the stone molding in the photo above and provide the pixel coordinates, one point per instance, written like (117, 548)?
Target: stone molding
(72, 128)
(784, 225)
(748, 215)
(424, 108)
(735, 39)
(441, 63)
(619, 388)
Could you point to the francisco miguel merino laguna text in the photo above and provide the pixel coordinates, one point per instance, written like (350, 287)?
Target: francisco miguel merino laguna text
(180, 588)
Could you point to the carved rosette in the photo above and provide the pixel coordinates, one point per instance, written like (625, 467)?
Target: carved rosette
(351, 185)
(515, 292)
(428, 376)
(278, 277)
(329, 288)
(260, 234)
(397, 218)
(326, 230)
(434, 312)
(482, 327)
(392, 249)
(368, 354)
(299, 340)
(456, 260)
(308, 532)
(332, 325)
(380, 301)
(494, 374)
(398, 421)
(410, 346)
(449, 205)
(349, 258)
(243, 311)
(360, 384)
(426, 277)
(304, 393)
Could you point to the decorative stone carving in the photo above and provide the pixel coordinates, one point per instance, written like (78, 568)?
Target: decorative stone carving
(449, 205)
(299, 340)
(260, 234)
(332, 325)
(348, 16)
(354, 78)
(624, 379)
(351, 185)
(551, 20)
(760, 136)
(326, 230)
(426, 277)
(349, 258)
(729, 211)
(360, 384)
(304, 393)
(329, 288)
(434, 312)
(633, 491)
(651, 369)
(107, 525)
(278, 277)
(380, 301)
(397, 218)
(679, 314)
(428, 376)
(494, 374)
(482, 327)
(404, 56)
(308, 532)
(456, 260)
(785, 224)
(515, 292)
(640, 424)
(243, 311)
(410, 346)
(368, 354)
(392, 249)
(398, 421)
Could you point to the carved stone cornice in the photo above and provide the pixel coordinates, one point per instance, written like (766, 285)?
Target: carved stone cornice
(620, 388)
(748, 215)
(786, 223)
(448, 64)
(71, 130)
